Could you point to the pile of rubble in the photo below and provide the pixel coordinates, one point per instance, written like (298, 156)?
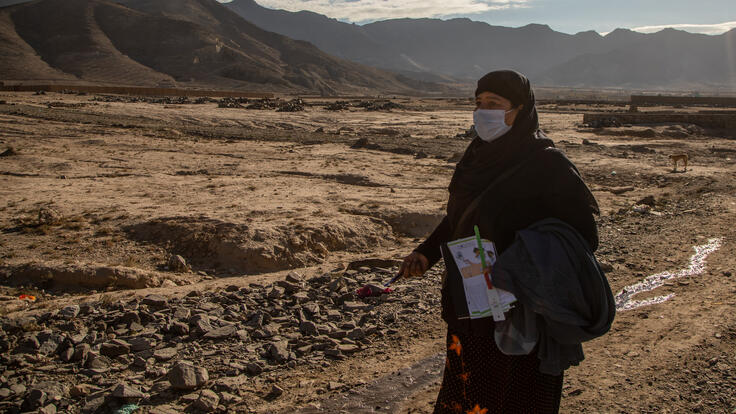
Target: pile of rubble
(604, 123)
(232, 102)
(294, 105)
(263, 104)
(166, 100)
(180, 352)
(58, 104)
(73, 92)
(379, 105)
(338, 106)
(468, 133)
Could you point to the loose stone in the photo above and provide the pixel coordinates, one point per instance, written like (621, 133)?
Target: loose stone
(69, 312)
(115, 347)
(207, 401)
(185, 376)
(123, 390)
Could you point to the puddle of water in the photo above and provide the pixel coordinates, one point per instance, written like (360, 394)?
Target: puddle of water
(386, 394)
(624, 300)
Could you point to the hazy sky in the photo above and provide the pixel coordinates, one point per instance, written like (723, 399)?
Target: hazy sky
(569, 16)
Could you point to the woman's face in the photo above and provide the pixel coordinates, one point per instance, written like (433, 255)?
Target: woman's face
(489, 100)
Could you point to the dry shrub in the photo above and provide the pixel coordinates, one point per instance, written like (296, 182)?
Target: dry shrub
(73, 238)
(131, 261)
(73, 226)
(106, 299)
(103, 231)
(43, 229)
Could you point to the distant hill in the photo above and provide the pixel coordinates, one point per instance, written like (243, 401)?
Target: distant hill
(465, 49)
(244, 45)
(173, 42)
(667, 59)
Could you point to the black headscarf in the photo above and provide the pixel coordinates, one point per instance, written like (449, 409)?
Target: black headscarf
(484, 161)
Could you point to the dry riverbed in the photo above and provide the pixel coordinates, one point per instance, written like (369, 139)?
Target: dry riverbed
(192, 256)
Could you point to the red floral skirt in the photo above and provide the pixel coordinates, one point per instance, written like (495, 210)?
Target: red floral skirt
(480, 379)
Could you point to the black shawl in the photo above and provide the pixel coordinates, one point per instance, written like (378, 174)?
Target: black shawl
(484, 161)
(548, 186)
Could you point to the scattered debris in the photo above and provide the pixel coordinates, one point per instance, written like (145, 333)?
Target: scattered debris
(456, 157)
(178, 264)
(648, 201)
(620, 190)
(186, 376)
(371, 290)
(275, 393)
(9, 152)
(57, 104)
(364, 143)
(264, 103)
(379, 105)
(468, 134)
(207, 401)
(609, 122)
(166, 100)
(205, 337)
(338, 106)
(228, 104)
(294, 105)
(127, 409)
(49, 216)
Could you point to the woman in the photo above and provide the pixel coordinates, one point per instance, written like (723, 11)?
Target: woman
(531, 181)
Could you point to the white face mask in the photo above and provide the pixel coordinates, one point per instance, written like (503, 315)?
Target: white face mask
(490, 123)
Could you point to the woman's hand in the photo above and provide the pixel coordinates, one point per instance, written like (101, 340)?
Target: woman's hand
(415, 264)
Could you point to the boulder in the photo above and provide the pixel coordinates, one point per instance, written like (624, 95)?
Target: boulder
(123, 390)
(164, 354)
(69, 312)
(185, 376)
(207, 401)
(178, 264)
(279, 351)
(222, 333)
(155, 301)
(115, 348)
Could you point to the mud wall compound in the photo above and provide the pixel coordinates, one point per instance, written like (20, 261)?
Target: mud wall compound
(717, 120)
(720, 101)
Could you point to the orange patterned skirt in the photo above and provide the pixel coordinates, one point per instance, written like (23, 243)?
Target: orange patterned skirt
(479, 379)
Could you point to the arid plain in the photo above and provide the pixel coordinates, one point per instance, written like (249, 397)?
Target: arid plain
(278, 217)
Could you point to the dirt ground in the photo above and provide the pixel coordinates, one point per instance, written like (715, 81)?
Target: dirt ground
(97, 196)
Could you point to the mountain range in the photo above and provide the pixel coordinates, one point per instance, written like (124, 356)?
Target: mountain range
(240, 44)
(433, 49)
(173, 43)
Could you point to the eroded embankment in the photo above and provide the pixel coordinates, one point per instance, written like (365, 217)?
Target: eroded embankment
(213, 244)
(81, 276)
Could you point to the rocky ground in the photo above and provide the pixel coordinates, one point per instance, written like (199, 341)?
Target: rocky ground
(203, 256)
